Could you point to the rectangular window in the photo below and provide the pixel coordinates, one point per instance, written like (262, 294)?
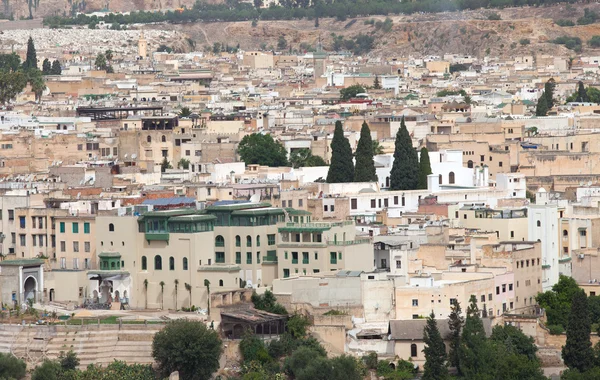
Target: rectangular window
(489, 297)
(497, 290)
(86, 228)
(353, 203)
(63, 263)
(75, 263)
(339, 255)
(238, 257)
(398, 264)
(395, 199)
(285, 254)
(248, 257)
(385, 202)
(62, 227)
(452, 301)
(11, 214)
(415, 302)
(483, 298)
(294, 257)
(304, 257)
(22, 221)
(286, 273)
(75, 246)
(75, 228)
(332, 257)
(258, 257)
(316, 255)
(300, 202)
(220, 257)
(63, 246)
(373, 203)
(86, 246)
(22, 240)
(503, 288)
(33, 222)
(271, 239)
(325, 208)
(403, 201)
(510, 287)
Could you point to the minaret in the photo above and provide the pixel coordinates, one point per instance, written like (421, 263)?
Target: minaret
(142, 46)
(319, 60)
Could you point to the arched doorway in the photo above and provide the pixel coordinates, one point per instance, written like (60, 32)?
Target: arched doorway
(29, 288)
(51, 295)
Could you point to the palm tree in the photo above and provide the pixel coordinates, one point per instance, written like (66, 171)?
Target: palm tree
(188, 287)
(146, 290)
(176, 285)
(207, 284)
(162, 294)
(377, 149)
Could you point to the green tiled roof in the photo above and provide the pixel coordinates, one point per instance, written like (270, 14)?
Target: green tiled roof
(22, 262)
(293, 211)
(238, 206)
(193, 218)
(109, 254)
(170, 213)
(259, 211)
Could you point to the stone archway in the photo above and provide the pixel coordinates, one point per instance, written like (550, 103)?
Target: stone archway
(29, 288)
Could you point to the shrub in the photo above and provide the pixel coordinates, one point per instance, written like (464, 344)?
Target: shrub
(11, 367)
(524, 41)
(563, 22)
(556, 329)
(494, 16)
(594, 41)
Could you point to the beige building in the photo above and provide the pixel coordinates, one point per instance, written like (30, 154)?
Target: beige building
(75, 238)
(508, 224)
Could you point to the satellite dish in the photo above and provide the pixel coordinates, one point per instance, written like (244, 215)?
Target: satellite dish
(134, 156)
(255, 198)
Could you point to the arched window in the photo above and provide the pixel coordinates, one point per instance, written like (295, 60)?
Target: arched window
(258, 240)
(248, 241)
(144, 263)
(111, 227)
(157, 262)
(220, 282)
(185, 263)
(470, 164)
(219, 241)
(149, 139)
(112, 265)
(163, 138)
(238, 241)
(451, 178)
(413, 350)
(539, 223)
(171, 263)
(565, 233)
(440, 179)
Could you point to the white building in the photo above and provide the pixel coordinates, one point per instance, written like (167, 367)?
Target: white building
(543, 226)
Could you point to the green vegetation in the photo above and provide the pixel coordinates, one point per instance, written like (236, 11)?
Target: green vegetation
(165, 164)
(455, 323)
(424, 168)
(405, 169)
(594, 41)
(11, 367)
(262, 149)
(577, 352)
(456, 67)
(494, 16)
(341, 168)
(182, 164)
(557, 302)
(572, 43)
(549, 87)
(436, 367)
(541, 108)
(589, 17)
(335, 312)
(304, 158)
(185, 112)
(268, 302)
(590, 94)
(364, 170)
(188, 347)
(351, 91)
(564, 22)
(14, 76)
(446, 92)
(524, 41)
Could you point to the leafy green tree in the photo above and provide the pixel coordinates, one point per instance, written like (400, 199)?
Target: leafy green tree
(542, 106)
(300, 360)
(56, 69)
(455, 324)
(68, 361)
(581, 93)
(10, 62)
(405, 169)
(11, 367)
(424, 168)
(165, 164)
(253, 349)
(188, 347)
(376, 84)
(549, 92)
(341, 168)
(183, 164)
(262, 149)
(351, 91)
(115, 371)
(297, 325)
(577, 352)
(282, 43)
(300, 158)
(109, 55)
(37, 83)
(474, 353)
(267, 302)
(46, 67)
(185, 112)
(11, 84)
(515, 341)
(100, 62)
(162, 294)
(557, 302)
(31, 57)
(377, 148)
(364, 171)
(435, 367)
(48, 370)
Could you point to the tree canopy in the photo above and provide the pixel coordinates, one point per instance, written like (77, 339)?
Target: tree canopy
(405, 169)
(341, 168)
(351, 91)
(262, 149)
(577, 352)
(304, 158)
(267, 302)
(436, 367)
(364, 171)
(31, 57)
(188, 347)
(557, 302)
(424, 168)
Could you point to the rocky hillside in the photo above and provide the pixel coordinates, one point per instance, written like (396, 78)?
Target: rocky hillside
(519, 31)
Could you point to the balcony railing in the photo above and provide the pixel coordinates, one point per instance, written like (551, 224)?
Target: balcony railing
(351, 242)
(269, 259)
(294, 261)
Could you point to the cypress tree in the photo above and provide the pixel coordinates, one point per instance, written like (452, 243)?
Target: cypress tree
(376, 84)
(46, 67)
(473, 346)
(577, 353)
(582, 95)
(364, 170)
(542, 106)
(455, 324)
(56, 69)
(31, 60)
(424, 168)
(435, 366)
(549, 91)
(341, 168)
(405, 170)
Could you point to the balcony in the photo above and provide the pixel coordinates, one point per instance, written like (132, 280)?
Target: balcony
(351, 242)
(269, 259)
(157, 236)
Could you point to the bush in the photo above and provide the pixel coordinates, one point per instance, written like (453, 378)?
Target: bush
(556, 329)
(253, 348)
(563, 22)
(572, 43)
(494, 17)
(589, 17)
(11, 367)
(524, 41)
(371, 360)
(594, 41)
